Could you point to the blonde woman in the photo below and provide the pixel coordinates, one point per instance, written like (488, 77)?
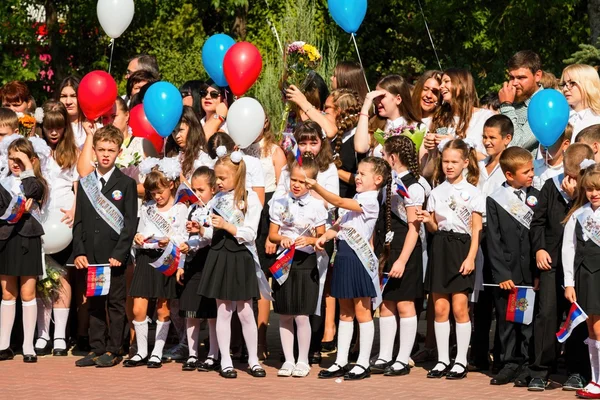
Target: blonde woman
(581, 86)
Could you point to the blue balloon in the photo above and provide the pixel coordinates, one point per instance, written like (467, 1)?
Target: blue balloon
(548, 116)
(348, 14)
(163, 106)
(213, 53)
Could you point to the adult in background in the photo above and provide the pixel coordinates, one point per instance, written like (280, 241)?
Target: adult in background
(426, 96)
(142, 62)
(581, 86)
(15, 95)
(215, 104)
(349, 75)
(190, 93)
(524, 76)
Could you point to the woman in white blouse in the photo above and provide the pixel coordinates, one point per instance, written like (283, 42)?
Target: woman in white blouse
(581, 86)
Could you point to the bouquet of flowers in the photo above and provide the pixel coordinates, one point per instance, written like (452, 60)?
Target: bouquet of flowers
(26, 124)
(412, 132)
(128, 163)
(49, 287)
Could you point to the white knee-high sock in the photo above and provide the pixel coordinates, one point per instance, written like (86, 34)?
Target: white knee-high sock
(61, 317)
(387, 334)
(345, 330)
(367, 331)
(303, 334)
(463, 338)
(223, 328)
(162, 331)
(249, 329)
(8, 309)
(44, 313)
(442, 340)
(141, 338)
(408, 334)
(593, 358)
(29, 319)
(286, 333)
(192, 328)
(213, 350)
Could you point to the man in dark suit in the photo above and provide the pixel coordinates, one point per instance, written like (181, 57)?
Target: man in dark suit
(509, 213)
(103, 231)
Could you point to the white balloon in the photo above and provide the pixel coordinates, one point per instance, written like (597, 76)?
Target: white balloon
(115, 16)
(57, 235)
(245, 121)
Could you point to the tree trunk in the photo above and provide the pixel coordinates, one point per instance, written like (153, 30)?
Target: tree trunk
(239, 25)
(594, 17)
(58, 62)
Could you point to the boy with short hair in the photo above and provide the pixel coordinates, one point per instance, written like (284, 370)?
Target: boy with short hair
(546, 242)
(551, 162)
(9, 122)
(591, 137)
(509, 212)
(103, 231)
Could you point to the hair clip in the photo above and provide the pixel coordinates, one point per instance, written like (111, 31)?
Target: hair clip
(443, 144)
(42, 150)
(221, 151)
(236, 157)
(146, 165)
(586, 163)
(39, 115)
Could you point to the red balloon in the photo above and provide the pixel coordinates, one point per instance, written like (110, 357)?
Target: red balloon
(141, 127)
(242, 65)
(96, 94)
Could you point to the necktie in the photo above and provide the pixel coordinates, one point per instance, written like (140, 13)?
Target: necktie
(102, 182)
(519, 194)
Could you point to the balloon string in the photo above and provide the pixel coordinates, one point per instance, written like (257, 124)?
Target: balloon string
(360, 61)
(430, 38)
(112, 48)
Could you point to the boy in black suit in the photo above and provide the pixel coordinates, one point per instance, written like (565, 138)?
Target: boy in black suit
(103, 231)
(546, 241)
(509, 213)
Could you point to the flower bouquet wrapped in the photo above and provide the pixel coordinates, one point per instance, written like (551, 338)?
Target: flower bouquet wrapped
(49, 287)
(26, 124)
(128, 163)
(413, 132)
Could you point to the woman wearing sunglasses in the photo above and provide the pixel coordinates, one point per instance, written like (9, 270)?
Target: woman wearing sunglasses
(215, 102)
(581, 86)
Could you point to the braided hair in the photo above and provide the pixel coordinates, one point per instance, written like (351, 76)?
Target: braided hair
(403, 147)
(348, 105)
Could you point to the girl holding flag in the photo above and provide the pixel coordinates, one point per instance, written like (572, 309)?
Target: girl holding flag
(296, 288)
(20, 239)
(160, 248)
(581, 264)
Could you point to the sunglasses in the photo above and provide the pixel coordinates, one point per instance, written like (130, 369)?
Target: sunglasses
(213, 94)
(185, 94)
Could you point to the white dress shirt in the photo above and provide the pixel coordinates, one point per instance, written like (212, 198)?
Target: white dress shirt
(543, 172)
(176, 216)
(363, 221)
(462, 193)
(581, 120)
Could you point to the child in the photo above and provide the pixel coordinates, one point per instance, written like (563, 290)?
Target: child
(104, 227)
(453, 215)
(546, 242)
(232, 272)
(9, 124)
(581, 260)
(509, 212)
(402, 256)
(20, 239)
(591, 137)
(550, 162)
(62, 177)
(192, 306)
(355, 279)
(162, 221)
(293, 219)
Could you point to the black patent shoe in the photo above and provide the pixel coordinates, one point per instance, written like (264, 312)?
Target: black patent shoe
(6, 354)
(205, 366)
(43, 351)
(380, 367)
(154, 362)
(315, 358)
(391, 371)
(190, 364)
(327, 374)
(29, 358)
(256, 371)
(59, 352)
(328, 347)
(457, 375)
(436, 374)
(350, 376)
(131, 363)
(228, 373)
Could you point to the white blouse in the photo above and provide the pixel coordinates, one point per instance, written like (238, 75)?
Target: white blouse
(176, 216)
(570, 243)
(489, 182)
(543, 172)
(200, 214)
(60, 180)
(447, 196)
(581, 120)
(246, 233)
(416, 193)
(294, 215)
(363, 221)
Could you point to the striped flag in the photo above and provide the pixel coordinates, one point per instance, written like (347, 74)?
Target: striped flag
(297, 154)
(401, 189)
(98, 281)
(575, 317)
(520, 305)
(170, 260)
(15, 210)
(385, 277)
(281, 267)
(185, 194)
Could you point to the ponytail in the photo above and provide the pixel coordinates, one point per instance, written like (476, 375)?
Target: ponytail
(468, 153)
(473, 168)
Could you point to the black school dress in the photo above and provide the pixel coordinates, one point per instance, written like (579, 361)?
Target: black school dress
(266, 260)
(300, 292)
(147, 281)
(587, 273)
(191, 304)
(448, 251)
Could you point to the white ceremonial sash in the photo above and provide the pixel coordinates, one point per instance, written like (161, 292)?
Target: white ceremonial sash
(322, 264)
(590, 225)
(558, 179)
(462, 211)
(367, 257)
(224, 206)
(165, 229)
(105, 209)
(513, 205)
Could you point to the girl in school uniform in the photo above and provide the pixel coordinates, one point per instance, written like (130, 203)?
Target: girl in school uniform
(294, 218)
(161, 221)
(232, 274)
(355, 278)
(454, 213)
(397, 239)
(581, 265)
(192, 306)
(20, 239)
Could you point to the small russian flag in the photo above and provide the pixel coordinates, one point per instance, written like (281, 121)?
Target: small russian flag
(575, 317)
(185, 194)
(384, 280)
(281, 267)
(168, 263)
(401, 189)
(98, 281)
(297, 154)
(15, 210)
(520, 305)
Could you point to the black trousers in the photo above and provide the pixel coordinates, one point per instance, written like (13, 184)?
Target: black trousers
(112, 304)
(515, 339)
(552, 304)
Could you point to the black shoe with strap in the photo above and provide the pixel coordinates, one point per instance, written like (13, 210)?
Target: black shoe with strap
(135, 361)
(205, 366)
(380, 367)
(457, 375)
(352, 376)
(190, 364)
(391, 371)
(438, 373)
(29, 358)
(327, 374)
(60, 352)
(43, 351)
(6, 354)
(257, 371)
(154, 362)
(228, 373)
